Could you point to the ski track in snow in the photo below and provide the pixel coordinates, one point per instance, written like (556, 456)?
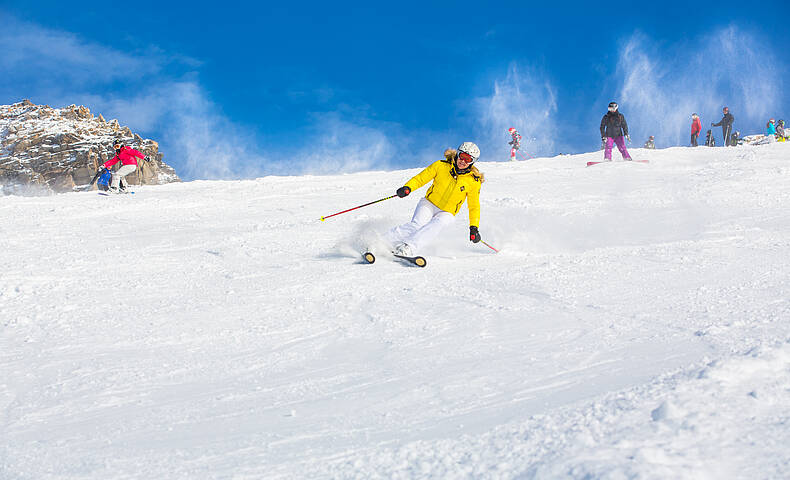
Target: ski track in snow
(634, 325)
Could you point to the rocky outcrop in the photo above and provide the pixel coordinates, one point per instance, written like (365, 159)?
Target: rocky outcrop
(52, 150)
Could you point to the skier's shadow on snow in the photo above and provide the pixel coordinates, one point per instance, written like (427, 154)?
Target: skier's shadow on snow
(331, 255)
(342, 256)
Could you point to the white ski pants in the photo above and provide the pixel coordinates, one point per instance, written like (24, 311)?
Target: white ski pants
(120, 173)
(428, 220)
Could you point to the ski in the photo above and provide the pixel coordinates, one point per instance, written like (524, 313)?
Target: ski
(418, 261)
(368, 257)
(106, 194)
(590, 164)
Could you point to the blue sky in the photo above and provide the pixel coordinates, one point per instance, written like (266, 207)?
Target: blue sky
(242, 89)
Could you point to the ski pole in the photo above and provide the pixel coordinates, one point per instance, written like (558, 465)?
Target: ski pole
(365, 205)
(489, 246)
(94, 179)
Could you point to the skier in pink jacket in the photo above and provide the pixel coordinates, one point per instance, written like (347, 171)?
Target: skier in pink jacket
(128, 158)
(515, 144)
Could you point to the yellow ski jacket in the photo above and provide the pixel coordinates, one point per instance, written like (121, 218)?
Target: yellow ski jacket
(449, 189)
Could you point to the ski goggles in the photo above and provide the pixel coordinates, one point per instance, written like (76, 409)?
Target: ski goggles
(466, 157)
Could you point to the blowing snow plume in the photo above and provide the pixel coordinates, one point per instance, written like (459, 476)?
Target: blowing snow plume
(199, 141)
(343, 146)
(661, 87)
(524, 101)
(208, 143)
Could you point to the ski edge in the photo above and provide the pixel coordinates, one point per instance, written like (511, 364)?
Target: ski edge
(418, 261)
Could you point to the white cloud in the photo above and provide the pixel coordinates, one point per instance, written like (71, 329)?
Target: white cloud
(41, 55)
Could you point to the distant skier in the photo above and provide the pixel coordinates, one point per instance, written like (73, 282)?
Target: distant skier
(128, 158)
(780, 131)
(709, 140)
(726, 125)
(651, 143)
(515, 143)
(613, 130)
(770, 133)
(455, 180)
(696, 128)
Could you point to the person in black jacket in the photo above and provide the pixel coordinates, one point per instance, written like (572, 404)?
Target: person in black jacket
(726, 125)
(613, 129)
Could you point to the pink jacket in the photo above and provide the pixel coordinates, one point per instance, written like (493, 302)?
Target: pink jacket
(127, 157)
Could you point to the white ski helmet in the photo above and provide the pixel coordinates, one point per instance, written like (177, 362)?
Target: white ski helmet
(471, 149)
(511, 129)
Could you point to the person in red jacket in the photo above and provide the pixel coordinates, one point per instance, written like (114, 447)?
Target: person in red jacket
(128, 158)
(515, 144)
(696, 128)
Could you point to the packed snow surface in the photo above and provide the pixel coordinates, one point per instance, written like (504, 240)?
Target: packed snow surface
(636, 324)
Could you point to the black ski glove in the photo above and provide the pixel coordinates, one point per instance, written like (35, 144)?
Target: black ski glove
(474, 235)
(403, 191)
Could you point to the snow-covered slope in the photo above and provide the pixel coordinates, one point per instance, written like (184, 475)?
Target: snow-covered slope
(634, 325)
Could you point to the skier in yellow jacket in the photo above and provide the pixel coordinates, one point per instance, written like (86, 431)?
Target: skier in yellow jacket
(455, 180)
